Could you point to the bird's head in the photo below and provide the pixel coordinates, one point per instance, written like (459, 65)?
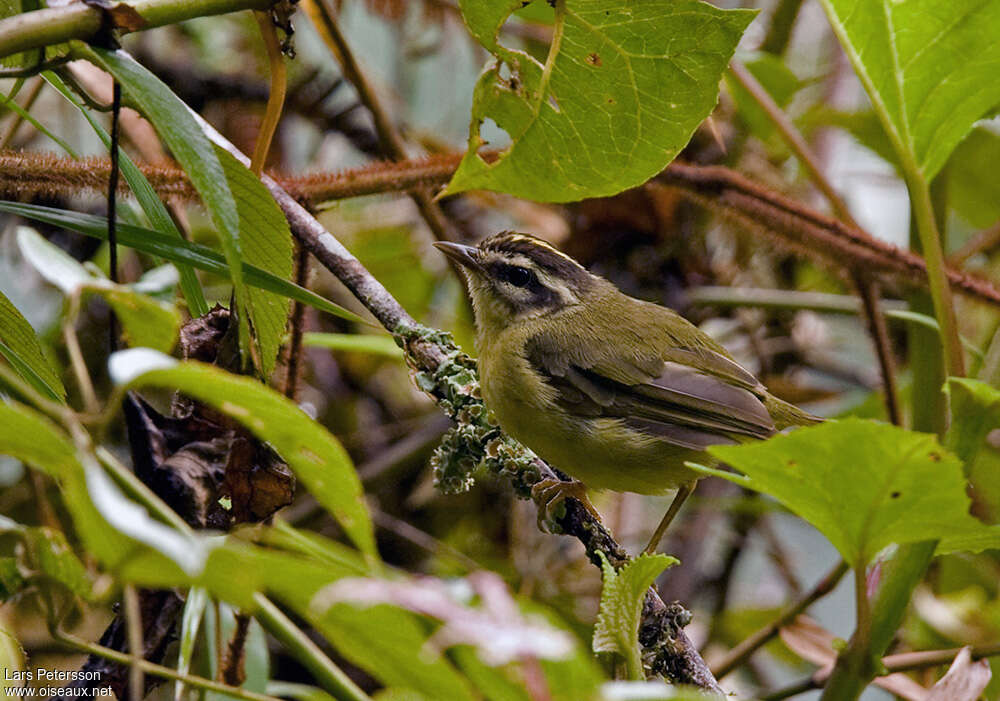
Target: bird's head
(513, 277)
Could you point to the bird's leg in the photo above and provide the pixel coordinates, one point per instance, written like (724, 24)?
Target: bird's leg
(683, 492)
(549, 493)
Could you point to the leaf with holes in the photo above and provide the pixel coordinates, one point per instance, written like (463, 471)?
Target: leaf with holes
(864, 485)
(929, 68)
(623, 88)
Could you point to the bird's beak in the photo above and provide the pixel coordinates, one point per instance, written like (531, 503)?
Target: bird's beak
(460, 253)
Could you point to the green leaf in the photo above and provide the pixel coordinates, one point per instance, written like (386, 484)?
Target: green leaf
(929, 68)
(617, 628)
(145, 321)
(623, 88)
(266, 243)
(864, 485)
(975, 411)
(973, 189)
(177, 250)
(47, 553)
(11, 581)
(150, 202)
(33, 439)
(316, 457)
(353, 342)
(187, 142)
(19, 345)
(387, 642)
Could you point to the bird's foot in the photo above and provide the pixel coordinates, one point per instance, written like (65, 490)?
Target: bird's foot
(548, 494)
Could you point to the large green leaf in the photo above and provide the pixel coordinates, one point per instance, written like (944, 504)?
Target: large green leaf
(865, 485)
(19, 345)
(315, 456)
(622, 594)
(266, 242)
(145, 321)
(187, 142)
(622, 90)
(929, 68)
(177, 250)
(150, 202)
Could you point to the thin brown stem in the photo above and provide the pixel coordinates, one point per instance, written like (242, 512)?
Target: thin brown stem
(136, 648)
(232, 670)
(276, 96)
(742, 652)
(867, 289)
(322, 16)
(983, 242)
(18, 118)
(156, 670)
(76, 361)
(790, 224)
(793, 138)
(295, 322)
(902, 662)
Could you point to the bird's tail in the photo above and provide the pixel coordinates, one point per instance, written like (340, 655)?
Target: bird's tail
(786, 415)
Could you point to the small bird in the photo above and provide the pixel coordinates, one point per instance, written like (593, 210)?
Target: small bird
(615, 391)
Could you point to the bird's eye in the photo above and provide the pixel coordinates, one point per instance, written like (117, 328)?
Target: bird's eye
(517, 276)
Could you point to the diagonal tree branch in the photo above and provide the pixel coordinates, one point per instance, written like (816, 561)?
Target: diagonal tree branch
(442, 370)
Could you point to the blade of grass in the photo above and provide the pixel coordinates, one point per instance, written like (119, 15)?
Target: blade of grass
(175, 250)
(150, 202)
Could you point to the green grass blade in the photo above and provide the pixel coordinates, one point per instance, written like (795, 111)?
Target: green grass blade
(175, 250)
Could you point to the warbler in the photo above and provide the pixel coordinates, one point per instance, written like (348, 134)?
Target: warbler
(615, 391)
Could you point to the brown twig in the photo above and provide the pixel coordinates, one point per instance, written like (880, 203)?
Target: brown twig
(806, 231)
(295, 323)
(392, 143)
(902, 662)
(742, 652)
(231, 668)
(722, 190)
(982, 242)
(867, 289)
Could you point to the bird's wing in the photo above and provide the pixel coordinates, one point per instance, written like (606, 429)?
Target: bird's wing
(692, 397)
